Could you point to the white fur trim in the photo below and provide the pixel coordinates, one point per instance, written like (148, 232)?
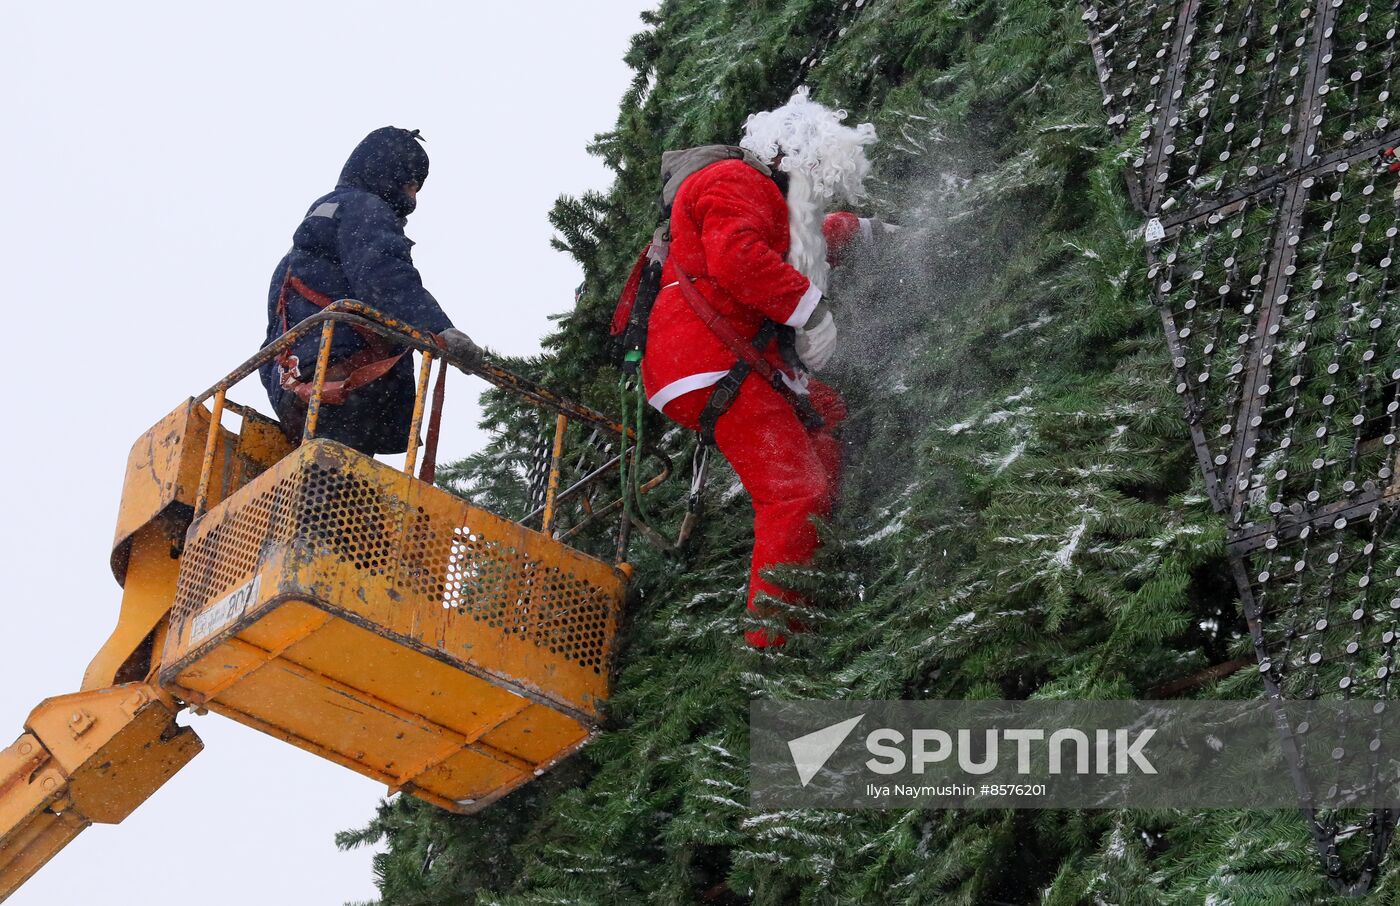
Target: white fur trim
(867, 230)
(805, 306)
(690, 382)
(661, 398)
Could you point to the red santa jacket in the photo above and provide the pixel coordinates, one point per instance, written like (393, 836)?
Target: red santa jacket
(729, 233)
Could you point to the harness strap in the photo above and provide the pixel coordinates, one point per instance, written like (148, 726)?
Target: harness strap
(721, 398)
(720, 327)
(428, 471)
(369, 364)
(359, 369)
(750, 359)
(727, 390)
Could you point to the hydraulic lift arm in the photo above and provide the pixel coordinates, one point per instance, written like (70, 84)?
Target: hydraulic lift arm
(93, 756)
(90, 757)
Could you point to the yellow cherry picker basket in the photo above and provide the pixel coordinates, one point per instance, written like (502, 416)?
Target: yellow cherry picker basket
(344, 605)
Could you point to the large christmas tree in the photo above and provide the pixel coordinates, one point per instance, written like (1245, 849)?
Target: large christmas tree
(1024, 515)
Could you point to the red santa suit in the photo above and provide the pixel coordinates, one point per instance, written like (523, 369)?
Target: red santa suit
(729, 233)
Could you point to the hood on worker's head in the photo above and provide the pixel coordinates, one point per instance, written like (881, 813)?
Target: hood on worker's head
(814, 142)
(384, 162)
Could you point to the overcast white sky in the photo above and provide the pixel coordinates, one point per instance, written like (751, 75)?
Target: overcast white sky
(156, 157)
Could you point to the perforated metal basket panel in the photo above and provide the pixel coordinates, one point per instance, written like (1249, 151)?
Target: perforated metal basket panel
(349, 510)
(518, 595)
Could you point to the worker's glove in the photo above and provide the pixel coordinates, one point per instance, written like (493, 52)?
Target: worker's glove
(460, 346)
(816, 340)
(880, 230)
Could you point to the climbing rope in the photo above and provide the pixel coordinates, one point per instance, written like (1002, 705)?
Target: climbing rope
(632, 406)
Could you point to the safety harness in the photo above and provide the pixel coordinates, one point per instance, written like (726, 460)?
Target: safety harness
(344, 377)
(750, 360)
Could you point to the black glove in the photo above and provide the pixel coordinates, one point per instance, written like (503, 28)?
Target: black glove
(460, 346)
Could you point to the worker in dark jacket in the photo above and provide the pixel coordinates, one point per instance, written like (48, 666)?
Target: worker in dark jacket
(351, 245)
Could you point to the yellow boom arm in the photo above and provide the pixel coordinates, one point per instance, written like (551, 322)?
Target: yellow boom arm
(93, 756)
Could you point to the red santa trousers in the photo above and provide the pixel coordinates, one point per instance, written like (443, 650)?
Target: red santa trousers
(791, 474)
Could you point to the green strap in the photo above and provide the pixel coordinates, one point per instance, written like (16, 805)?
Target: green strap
(637, 467)
(622, 451)
(632, 400)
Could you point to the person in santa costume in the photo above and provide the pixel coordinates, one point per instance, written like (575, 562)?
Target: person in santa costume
(747, 228)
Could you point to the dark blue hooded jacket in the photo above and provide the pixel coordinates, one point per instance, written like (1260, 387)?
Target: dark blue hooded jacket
(351, 245)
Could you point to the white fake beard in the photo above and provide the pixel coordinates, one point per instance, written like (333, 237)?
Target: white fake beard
(806, 244)
(813, 141)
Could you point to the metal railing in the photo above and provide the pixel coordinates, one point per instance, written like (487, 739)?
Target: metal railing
(362, 318)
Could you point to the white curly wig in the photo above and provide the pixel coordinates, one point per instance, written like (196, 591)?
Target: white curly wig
(814, 142)
(823, 159)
